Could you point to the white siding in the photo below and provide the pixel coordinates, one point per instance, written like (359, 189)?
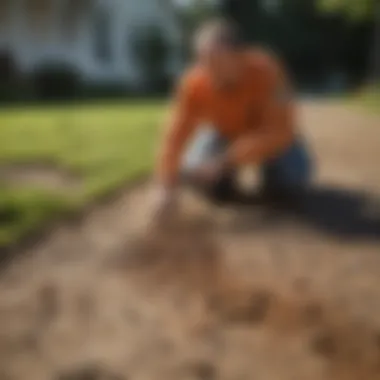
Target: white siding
(31, 50)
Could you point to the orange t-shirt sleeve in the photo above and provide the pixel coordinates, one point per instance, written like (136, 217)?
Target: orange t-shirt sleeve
(183, 119)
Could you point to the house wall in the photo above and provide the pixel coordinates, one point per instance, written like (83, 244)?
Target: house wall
(32, 48)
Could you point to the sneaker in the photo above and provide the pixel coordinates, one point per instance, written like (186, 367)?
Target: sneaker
(224, 191)
(279, 197)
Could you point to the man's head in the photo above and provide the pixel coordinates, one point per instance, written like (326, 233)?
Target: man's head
(218, 47)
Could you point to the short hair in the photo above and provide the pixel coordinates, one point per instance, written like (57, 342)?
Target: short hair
(220, 32)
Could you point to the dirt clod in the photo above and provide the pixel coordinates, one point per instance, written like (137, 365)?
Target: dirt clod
(324, 344)
(89, 372)
(312, 313)
(203, 370)
(252, 310)
(85, 373)
(48, 303)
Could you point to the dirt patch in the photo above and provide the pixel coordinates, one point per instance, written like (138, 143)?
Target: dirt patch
(227, 293)
(194, 266)
(37, 175)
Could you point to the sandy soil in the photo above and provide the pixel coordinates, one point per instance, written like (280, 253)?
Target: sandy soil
(235, 293)
(45, 176)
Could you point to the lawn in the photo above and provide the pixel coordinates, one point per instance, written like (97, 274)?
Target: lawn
(102, 146)
(370, 98)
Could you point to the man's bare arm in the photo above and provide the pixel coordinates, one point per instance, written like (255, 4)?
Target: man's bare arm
(183, 119)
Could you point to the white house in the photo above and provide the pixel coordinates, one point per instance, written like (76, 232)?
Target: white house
(94, 36)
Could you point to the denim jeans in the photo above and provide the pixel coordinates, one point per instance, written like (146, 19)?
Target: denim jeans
(292, 169)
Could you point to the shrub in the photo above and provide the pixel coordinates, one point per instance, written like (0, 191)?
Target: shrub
(11, 86)
(106, 91)
(151, 51)
(56, 82)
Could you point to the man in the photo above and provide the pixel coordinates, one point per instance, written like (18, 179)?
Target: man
(243, 95)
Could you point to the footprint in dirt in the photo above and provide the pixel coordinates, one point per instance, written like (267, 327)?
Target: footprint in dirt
(202, 370)
(186, 255)
(89, 372)
(324, 344)
(250, 308)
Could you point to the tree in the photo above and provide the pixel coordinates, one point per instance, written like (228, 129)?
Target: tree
(308, 41)
(151, 51)
(355, 9)
(358, 10)
(187, 15)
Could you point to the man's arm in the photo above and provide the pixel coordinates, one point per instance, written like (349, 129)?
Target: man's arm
(277, 127)
(184, 117)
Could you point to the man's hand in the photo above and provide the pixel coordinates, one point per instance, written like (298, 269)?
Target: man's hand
(209, 173)
(164, 204)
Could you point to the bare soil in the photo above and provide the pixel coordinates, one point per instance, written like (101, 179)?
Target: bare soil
(234, 293)
(39, 175)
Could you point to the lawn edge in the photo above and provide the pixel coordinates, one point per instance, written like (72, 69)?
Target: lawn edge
(68, 217)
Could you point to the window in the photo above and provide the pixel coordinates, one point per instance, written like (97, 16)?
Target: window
(39, 13)
(102, 33)
(72, 13)
(4, 13)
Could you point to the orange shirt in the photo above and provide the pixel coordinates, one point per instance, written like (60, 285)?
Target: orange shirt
(256, 115)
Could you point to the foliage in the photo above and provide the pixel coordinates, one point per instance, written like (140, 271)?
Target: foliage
(369, 97)
(314, 45)
(151, 50)
(363, 10)
(13, 85)
(8, 70)
(355, 9)
(55, 81)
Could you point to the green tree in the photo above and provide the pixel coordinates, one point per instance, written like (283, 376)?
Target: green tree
(358, 10)
(317, 47)
(151, 51)
(355, 9)
(188, 15)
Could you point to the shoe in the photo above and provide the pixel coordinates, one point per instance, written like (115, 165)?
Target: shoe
(282, 198)
(223, 191)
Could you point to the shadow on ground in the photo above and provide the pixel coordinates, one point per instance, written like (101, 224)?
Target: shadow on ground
(183, 264)
(334, 211)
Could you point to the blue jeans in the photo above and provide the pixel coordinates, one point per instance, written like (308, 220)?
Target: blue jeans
(291, 170)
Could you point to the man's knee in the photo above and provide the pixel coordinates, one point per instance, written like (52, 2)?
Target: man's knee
(293, 170)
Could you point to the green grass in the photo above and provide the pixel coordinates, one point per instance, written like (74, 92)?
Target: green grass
(369, 98)
(104, 145)
(372, 99)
